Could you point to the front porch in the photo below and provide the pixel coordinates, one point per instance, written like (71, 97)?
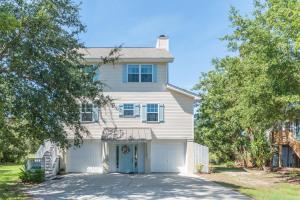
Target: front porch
(126, 150)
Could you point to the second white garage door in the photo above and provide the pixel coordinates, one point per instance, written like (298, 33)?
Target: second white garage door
(87, 158)
(167, 156)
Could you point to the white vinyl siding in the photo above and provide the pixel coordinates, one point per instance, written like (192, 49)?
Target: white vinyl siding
(178, 115)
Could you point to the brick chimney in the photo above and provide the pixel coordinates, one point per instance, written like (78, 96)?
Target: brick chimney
(162, 42)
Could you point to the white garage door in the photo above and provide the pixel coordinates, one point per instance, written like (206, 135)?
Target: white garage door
(167, 156)
(87, 158)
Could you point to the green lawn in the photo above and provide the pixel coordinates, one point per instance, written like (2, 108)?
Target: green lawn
(258, 184)
(10, 186)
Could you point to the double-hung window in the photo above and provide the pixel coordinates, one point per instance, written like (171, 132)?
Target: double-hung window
(146, 73)
(128, 110)
(152, 112)
(133, 73)
(140, 73)
(87, 112)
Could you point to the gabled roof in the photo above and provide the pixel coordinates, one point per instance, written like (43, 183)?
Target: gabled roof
(129, 54)
(183, 91)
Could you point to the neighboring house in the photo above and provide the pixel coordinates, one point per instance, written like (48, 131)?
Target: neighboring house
(286, 141)
(152, 127)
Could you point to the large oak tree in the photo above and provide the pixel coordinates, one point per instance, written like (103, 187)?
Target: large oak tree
(258, 87)
(41, 76)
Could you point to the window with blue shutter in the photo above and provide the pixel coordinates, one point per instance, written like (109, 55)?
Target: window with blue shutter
(139, 73)
(152, 113)
(97, 75)
(86, 112)
(121, 110)
(129, 110)
(95, 113)
(154, 73)
(133, 72)
(136, 110)
(124, 73)
(144, 113)
(161, 113)
(146, 73)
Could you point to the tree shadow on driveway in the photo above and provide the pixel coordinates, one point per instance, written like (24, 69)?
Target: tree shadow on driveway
(139, 186)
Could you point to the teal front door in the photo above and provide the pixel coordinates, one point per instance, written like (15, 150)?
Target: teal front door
(126, 158)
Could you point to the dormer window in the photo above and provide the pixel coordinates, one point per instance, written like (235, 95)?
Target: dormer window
(140, 73)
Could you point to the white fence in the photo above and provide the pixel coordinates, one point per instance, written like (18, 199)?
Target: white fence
(201, 157)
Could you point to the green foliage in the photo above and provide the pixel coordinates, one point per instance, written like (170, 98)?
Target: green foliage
(41, 74)
(199, 168)
(32, 176)
(229, 164)
(260, 150)
(251, 92)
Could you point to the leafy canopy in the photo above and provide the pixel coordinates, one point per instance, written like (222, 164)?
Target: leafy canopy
(42, 79)
(257, 87)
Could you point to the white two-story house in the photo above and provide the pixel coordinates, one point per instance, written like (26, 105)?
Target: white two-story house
(151, 129)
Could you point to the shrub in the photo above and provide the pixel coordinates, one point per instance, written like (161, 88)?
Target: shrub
(199, 168)
(229, 164)
(260, 150)
(32, 176)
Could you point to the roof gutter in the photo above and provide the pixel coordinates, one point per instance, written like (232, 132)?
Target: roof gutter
(183, 91)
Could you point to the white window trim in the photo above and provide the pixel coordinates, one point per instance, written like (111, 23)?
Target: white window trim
(128, 116)
(158, 120)
(86, 112)
(140, 73)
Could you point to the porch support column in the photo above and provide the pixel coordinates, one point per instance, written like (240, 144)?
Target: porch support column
(105, 157)
(280, 155)
(189, 157)
(148, 157)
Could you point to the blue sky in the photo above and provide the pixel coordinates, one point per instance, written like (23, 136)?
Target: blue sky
(193, 26)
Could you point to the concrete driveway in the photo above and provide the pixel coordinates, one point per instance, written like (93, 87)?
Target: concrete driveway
(124, 186)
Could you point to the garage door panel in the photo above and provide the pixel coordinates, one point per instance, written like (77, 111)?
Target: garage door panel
(167, 156)
(86, 158)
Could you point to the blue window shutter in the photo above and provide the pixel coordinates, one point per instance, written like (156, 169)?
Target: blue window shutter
(125, 76)
(144, 113)
(161, 113)
(97, 75)
(121, 110)
(136, 110)
(95, 113)
(154, 74)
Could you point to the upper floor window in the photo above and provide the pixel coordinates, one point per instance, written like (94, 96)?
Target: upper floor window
(128, 110)
(146, 73)
(133, 73)
(140, 73)
(86, 112)
(152, 112)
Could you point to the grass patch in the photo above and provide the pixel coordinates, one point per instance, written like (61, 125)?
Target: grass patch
(10, 186)
(257, 184)
(219, 169)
